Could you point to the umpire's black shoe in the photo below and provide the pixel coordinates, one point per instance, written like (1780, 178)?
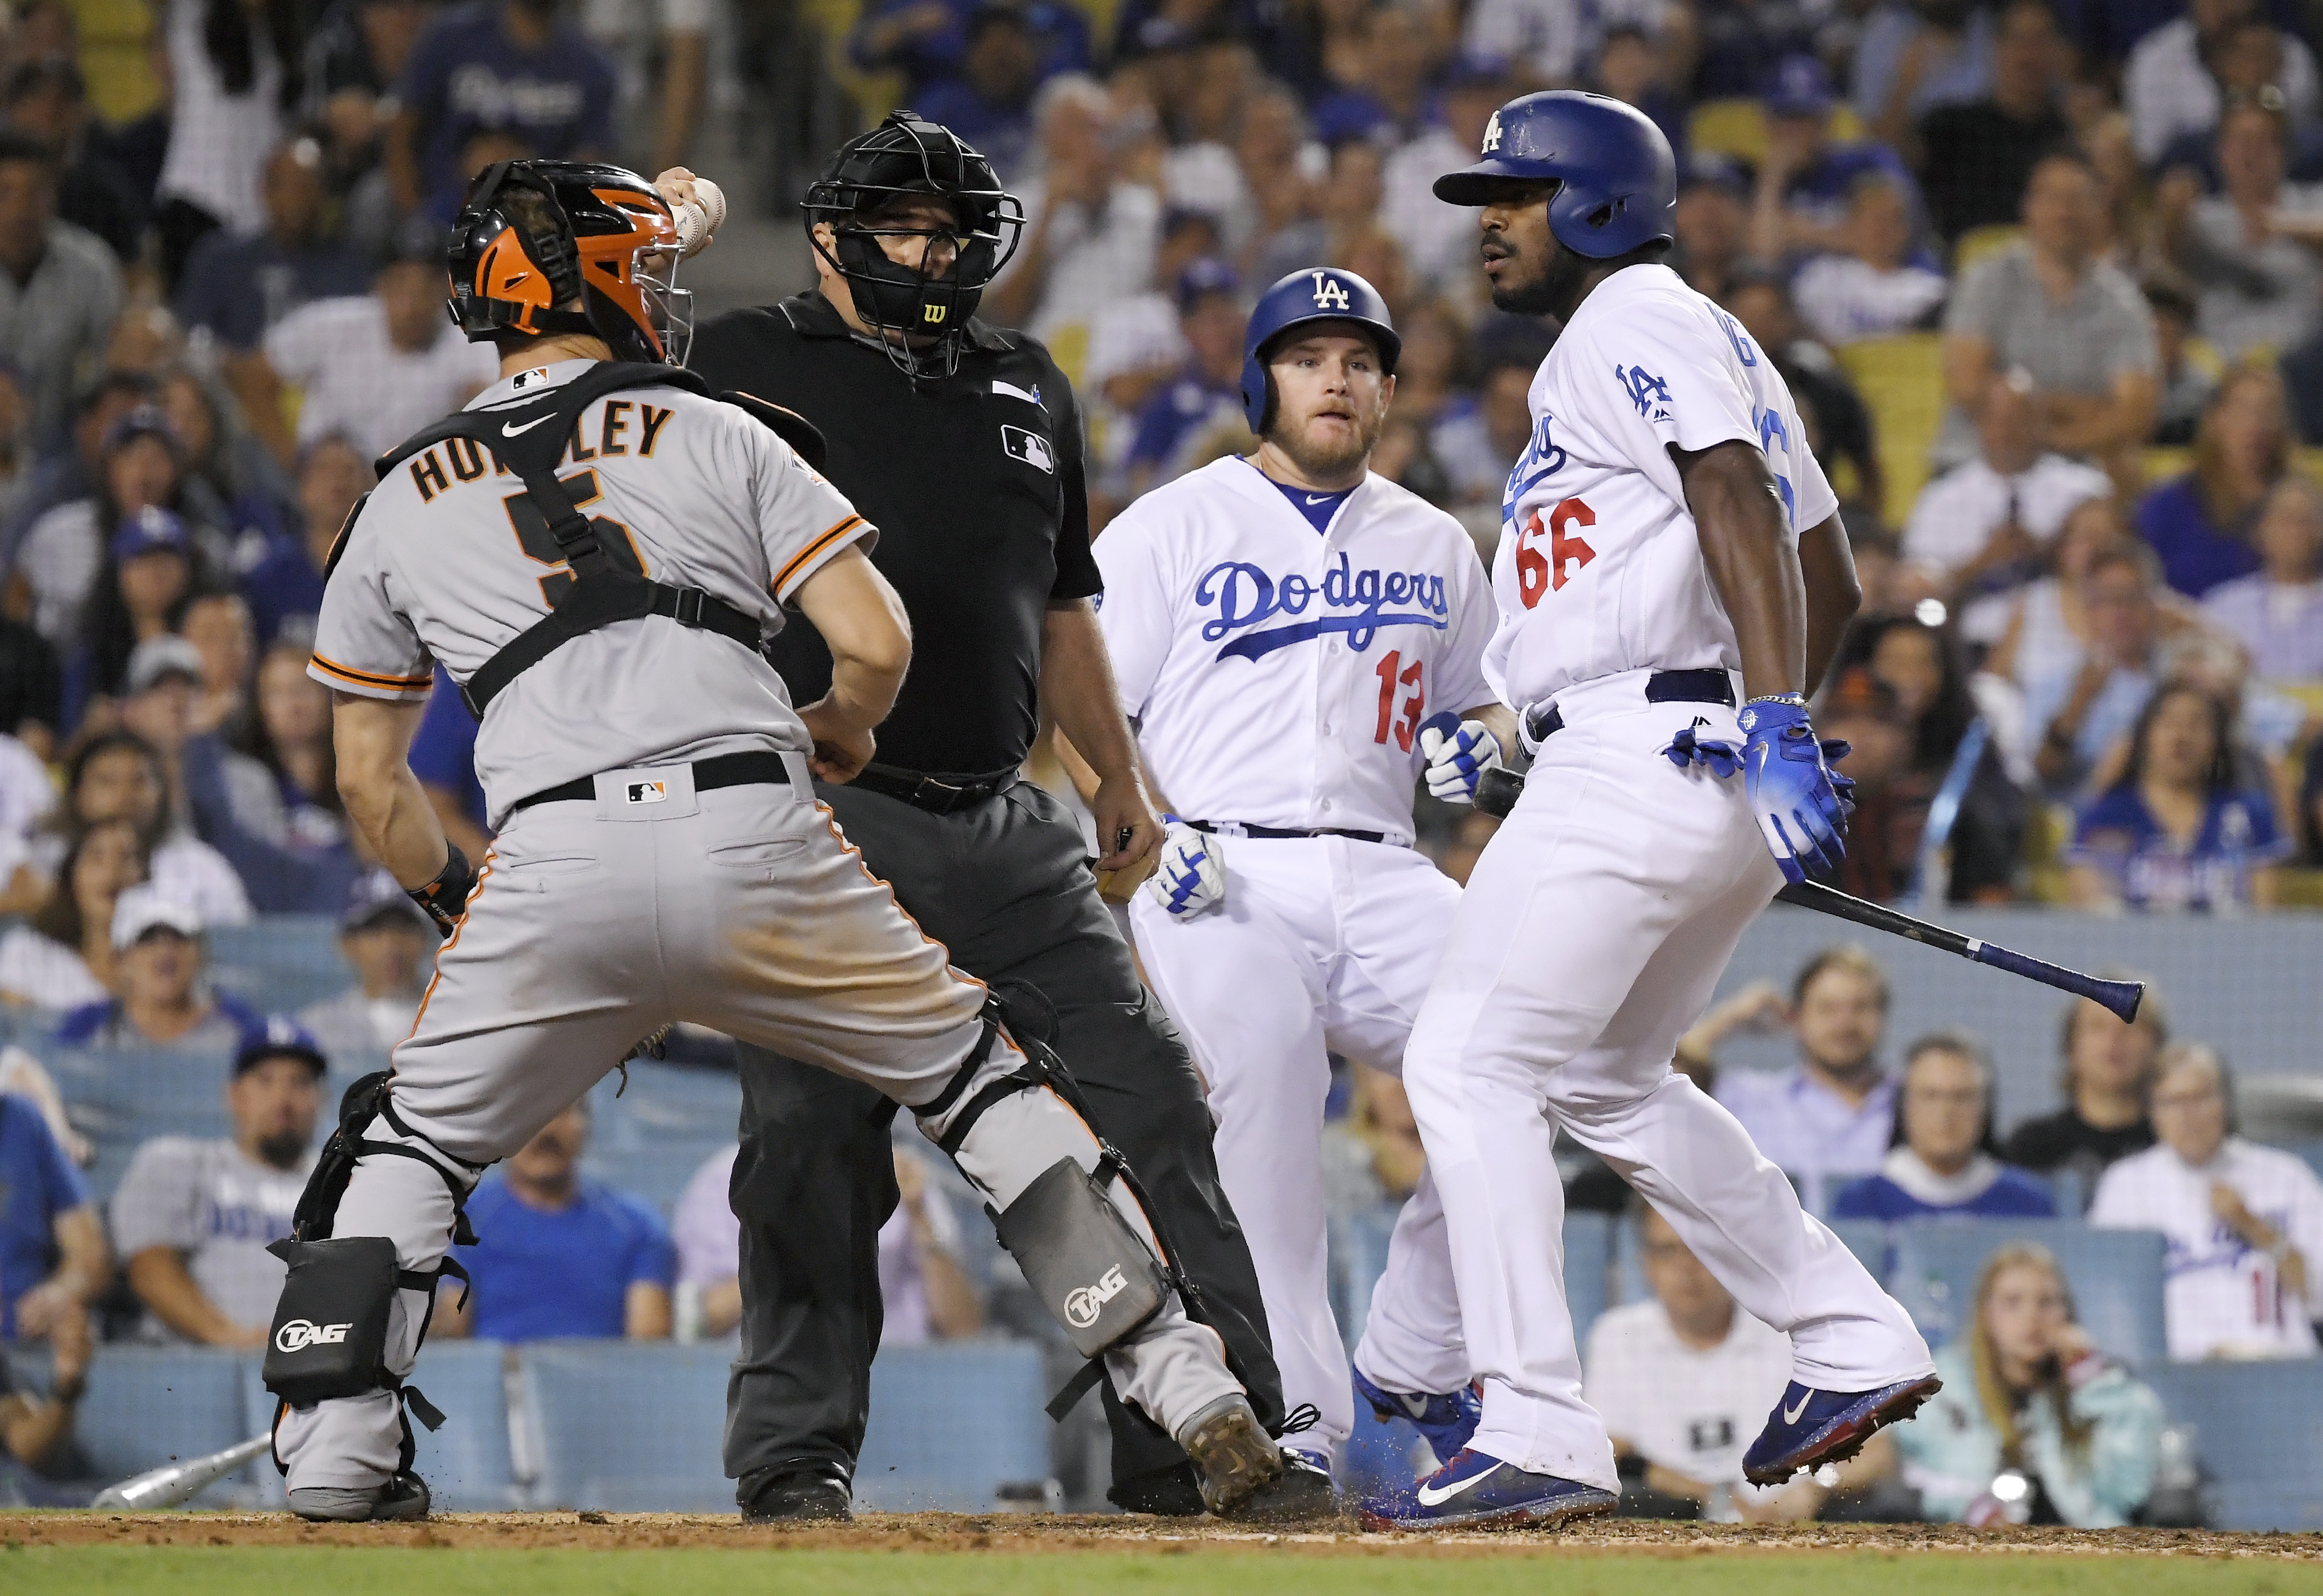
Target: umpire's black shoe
(1173, 1492)
(793, 1494)
(1301, 1494)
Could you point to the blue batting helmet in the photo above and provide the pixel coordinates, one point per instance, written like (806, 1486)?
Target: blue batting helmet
(1617, 180)
(1321, 293)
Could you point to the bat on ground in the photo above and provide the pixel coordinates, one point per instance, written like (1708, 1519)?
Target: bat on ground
(177, 1483)
(1497, 792)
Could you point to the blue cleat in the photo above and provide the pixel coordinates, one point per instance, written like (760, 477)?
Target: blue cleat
(1809, 1428)
(1475, 1492)
(1445, 1420)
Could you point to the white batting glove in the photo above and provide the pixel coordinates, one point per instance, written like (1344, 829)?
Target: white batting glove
(1458, 754)
(1190, 877)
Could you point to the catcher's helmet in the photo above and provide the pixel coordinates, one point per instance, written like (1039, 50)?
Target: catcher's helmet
(1321, 293)
(603, 236)
(1617, 180)
(907, 155)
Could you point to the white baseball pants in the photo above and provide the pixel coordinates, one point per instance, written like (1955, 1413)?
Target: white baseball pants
(1322, 945)
(1591, 936)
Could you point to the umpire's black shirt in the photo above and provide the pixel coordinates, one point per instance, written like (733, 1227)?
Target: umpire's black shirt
(976, 485)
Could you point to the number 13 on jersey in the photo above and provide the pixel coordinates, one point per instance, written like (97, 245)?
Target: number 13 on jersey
(1540, 572)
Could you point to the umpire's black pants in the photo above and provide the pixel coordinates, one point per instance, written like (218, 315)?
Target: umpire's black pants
(1005, 885)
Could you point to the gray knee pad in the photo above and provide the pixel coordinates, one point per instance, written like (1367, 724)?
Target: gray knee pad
(1088, 1268)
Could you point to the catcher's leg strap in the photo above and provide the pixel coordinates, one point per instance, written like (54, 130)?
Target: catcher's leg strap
(1088, 1268)
(947, 1112)
(365, 1101)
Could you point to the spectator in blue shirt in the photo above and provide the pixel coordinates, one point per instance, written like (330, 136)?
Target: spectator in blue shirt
(1181, 425)
(928, 41)
(513, 67)
(1942, 1159)
(990, 103)
(44, 1213)
(2178, 830)
(444, 758)
(1804, 181)
(287, 584)
(558, 1254)
(2199, 524)
(239, 285)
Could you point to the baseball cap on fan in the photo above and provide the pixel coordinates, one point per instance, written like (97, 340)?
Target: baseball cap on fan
(376, 900)
(141, 910)
(1202, 277)
(1800, 86)
(158, 659)
(278, 1036)
(151, 530)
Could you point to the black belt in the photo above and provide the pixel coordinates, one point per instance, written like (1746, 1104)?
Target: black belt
(1663, 687)
(936, 795)
(1217, 828)
(725, 770)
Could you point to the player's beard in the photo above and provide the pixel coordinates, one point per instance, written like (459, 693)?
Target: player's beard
(1320, 462)
(1553, 290)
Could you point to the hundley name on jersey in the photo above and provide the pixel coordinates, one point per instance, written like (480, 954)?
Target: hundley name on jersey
(1246, 596)
(613, 438)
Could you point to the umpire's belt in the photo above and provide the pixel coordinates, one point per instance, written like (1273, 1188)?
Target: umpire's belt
(724, 770)
(1709, 686)
(1242, 829)
(938, 794)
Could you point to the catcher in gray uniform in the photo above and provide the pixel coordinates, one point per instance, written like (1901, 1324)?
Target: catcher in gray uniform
(595, 549)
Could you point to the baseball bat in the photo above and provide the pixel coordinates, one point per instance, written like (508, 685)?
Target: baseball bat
(177, 1483)
(1497, 792)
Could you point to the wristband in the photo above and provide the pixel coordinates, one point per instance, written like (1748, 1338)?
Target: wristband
(1795, 699)
(446, 898)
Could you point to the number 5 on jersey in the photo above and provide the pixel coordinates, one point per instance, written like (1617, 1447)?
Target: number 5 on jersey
(1539, 573)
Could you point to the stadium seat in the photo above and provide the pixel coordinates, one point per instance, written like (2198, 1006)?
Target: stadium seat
(2114, 1276)
(656, 1174)
(2254, 1435)
(1868, 1239)
(663, 1103)
(147, 1406)
(951, 1423)
(469, 1464)
(629, 1425)
(279, 962)
(1358, 1244)
(1901, 379)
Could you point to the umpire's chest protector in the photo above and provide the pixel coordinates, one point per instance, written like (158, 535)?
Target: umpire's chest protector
(975, 483)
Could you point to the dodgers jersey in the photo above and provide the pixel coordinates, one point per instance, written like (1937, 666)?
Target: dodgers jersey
(1597, 570)
(448, 560)
(1278, 676)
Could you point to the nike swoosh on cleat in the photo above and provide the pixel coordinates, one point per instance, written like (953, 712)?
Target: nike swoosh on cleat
(1431, 1497)
(509, 430)
(1791, 1414)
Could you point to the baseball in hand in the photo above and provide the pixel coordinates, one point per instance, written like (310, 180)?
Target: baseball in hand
(700, 217)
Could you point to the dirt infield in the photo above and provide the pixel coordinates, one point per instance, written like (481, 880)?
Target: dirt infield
(1022, 1533)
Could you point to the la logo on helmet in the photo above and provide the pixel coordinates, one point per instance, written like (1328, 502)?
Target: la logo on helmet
(1329, 295)
(1492, 134)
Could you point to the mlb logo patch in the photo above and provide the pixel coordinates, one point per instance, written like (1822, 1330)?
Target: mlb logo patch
(1030, 447)
(645, 792)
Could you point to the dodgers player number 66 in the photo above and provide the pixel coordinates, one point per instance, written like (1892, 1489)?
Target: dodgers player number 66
(1665, 534)
(1296, 639)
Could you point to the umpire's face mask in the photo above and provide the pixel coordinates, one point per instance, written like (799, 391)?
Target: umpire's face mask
(913, 269)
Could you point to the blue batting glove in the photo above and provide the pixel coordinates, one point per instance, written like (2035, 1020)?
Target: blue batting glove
(1458, 753)
(1798, 804)
(1687, 750)
(1190, 877)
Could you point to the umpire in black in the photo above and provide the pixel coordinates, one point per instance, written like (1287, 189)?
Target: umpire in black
(961, 443)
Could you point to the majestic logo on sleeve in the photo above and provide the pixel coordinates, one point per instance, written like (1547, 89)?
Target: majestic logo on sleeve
(1330, 293)
(1354, 603)
(1648, 392)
